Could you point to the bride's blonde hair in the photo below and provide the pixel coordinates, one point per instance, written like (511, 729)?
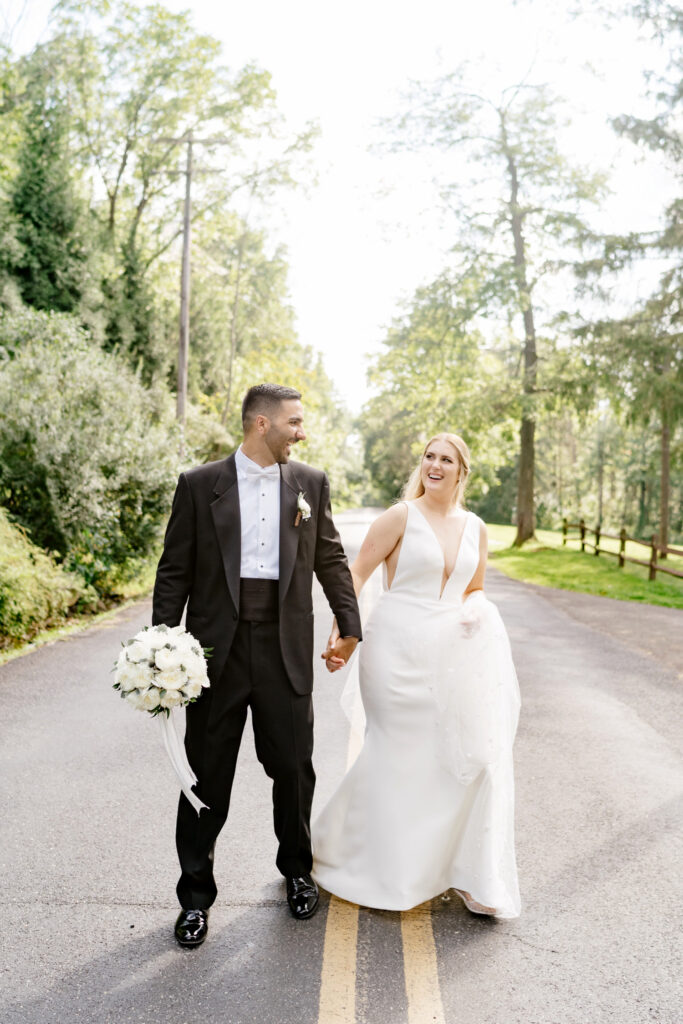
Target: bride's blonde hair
(414, 488)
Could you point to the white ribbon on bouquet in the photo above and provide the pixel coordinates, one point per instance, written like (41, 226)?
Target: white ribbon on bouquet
(178, 758)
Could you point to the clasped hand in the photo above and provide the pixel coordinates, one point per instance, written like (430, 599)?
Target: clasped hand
(339, 649)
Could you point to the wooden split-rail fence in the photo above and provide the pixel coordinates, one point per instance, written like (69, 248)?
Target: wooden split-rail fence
(652, 563)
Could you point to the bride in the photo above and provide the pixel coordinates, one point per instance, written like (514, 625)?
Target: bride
(429, 803)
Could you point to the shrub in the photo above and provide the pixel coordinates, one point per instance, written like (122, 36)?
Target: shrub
(87, 453)
(34, 592)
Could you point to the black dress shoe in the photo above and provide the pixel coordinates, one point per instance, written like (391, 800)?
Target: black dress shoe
(191, 927)
(302, 896)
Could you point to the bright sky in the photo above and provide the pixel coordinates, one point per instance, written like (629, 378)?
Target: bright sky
(369, 234)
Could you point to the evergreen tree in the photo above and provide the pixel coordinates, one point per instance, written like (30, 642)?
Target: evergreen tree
(50, 266)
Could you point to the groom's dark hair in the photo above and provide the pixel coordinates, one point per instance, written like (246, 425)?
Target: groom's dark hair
(263, 399)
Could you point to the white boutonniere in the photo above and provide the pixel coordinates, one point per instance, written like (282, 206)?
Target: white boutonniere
(303, 509)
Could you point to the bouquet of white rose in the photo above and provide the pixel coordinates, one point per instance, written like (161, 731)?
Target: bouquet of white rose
(161, 668)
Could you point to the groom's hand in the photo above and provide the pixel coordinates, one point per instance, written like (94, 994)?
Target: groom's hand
(339, 650)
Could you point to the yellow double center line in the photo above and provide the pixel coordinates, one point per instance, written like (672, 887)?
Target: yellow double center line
(338, 977)
(420, 967)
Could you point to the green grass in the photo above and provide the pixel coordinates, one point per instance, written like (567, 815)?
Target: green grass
(545, 562)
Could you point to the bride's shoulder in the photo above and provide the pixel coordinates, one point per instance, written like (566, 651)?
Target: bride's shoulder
(396, 514)
(392, 521)
(383, 535)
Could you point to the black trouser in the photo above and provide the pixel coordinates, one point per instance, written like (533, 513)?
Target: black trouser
(254, 677)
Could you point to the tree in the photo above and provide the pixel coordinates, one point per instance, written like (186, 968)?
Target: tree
(640, 359)
(138, 81)
(657, 334)
(640, 355)
(51, 266)
(520, 215)
(10, 141)
(239, 301)
(438, 373)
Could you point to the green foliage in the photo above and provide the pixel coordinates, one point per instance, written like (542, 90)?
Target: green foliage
(10, 141)
(518, 212)
(439, 373)
(206, 439)
(97, 448)
(34, 592)
(640, 359)
(239, 305)
(133, 325)
(242, 328)
(93, 146)
(549, 565)
(138, 80)
(636, 355)
(497, 503)
(281, 358)
(603, 466)
(51, 264)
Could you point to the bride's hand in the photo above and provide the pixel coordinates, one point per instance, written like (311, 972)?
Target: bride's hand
(338, 653)
(470, 613)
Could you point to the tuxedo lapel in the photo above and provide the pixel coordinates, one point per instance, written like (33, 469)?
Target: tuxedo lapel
(289, 533)
(225, 510)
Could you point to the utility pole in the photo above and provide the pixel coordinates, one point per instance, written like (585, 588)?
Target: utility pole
(184, 335)
(185, 273)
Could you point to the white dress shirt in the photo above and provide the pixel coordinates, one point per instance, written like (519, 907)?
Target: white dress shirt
(259, 491)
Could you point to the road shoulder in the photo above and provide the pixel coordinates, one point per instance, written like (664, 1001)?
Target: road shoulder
(645, 628)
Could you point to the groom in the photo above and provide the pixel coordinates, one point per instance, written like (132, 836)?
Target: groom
(244, 538)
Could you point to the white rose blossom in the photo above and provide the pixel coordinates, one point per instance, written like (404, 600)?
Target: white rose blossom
(192, 688)
(139, 651)
(173, 699)
(154, 638)
(168, 659)
(195, 666)
(134, 697)
(170, 679)
(127, 678)
(142, 675)
(149, 698)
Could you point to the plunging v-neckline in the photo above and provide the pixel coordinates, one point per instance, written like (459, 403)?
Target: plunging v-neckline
(443, 553)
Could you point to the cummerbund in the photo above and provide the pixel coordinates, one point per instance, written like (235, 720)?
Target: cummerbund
(259, 600)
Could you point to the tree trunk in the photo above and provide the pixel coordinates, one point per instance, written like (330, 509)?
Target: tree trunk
(664, 482)
(525, 487)
(601, 472)
(560, 476)
(526, 517)
(642, 507)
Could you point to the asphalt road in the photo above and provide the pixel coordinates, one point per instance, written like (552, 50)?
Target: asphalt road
(88, 866)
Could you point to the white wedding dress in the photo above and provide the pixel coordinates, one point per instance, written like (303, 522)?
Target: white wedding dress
(429, 803)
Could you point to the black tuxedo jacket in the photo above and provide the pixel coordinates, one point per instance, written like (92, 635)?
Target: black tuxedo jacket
(200, 564)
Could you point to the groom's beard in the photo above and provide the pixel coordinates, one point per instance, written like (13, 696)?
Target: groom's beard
(278, 443)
